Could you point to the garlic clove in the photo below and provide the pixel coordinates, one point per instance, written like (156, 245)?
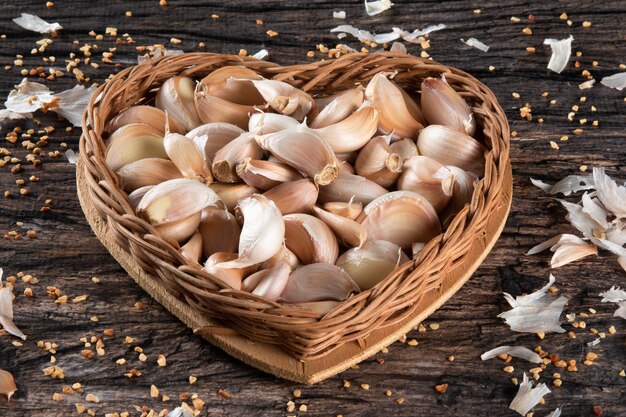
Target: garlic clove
(213, 109)
(220, 231)
(180, 230)
(353, 132)
(401, 217)
(310, 239)
(265, 175)
(405, 148)
(7, 384)
(212, 137)
(265, 123)
(345, 167)
(133, 142)
(262, 234)
(351, 233)
(187, 157)
(304, 150)
(147, 171)
(270, 283)
(174, 200)
(147, 115)
(230, 194)
(226, 159)
(216, 265)
(462, 190)
(349, 210)
(231, 83)
(192, 250)
(285, 99)
(176, 98)
(135, 197)
(283, 255)
(444, 106)
(413, 107)
(378, 163)
(348, 187)
(395, 115)
(318, 282)
(429, 178)
(371, 263)
(294, 197)
(451, 147)
(335, 108)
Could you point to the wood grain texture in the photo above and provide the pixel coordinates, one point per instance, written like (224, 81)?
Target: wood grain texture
(66, 254)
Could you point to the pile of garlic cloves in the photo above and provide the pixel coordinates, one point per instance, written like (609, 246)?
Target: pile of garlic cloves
(298, 199)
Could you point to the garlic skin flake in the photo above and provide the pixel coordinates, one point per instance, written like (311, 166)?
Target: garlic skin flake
(375, 7)
(568, 185)
(561, 52)
(528, 396)
(473, 42)
(618, 296)
(566, 247)
(36, 24)
(617, 81)
(516, 351)
(6, 311)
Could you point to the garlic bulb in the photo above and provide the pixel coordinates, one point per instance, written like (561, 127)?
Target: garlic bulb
(268, 283)
(318, 282)
(353, 132)
(285, 99)
(405, 148)
(348, 187)
(147, 171)
(219, 230)
(429, 178)
(294, 197)
(451, 147)
(348, 231)
(265, 175)
(230, 194)
(226, 159)
(233, 84)
(310, 239)
(176, 98)
(378, 163)
(444, 106)
(349, 210)
(192, 250)
(335, 108)
(212, 137)
(180, 230)
(265, 123)
(371, 263)
(187, 157)
(133, 142)
(147, 115)
(401, 217)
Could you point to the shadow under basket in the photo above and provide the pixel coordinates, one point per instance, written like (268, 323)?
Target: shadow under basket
(288, 342)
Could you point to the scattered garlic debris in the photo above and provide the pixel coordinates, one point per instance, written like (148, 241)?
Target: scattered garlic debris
(567, 186)
(587, 84)
(261, 54)
(6, 311)
(396, 33)
(618, 296)
(561, 52)
(7, 384)
(373, 8)
(527, 397)
(6, 114)
(555, 413)
(535, 312)
(476, 44)
(566, 247)
(617, 81)
(36, 24)
(516, 351)
(71, 156)
(339, 15)
(181, 412)
(398, 47)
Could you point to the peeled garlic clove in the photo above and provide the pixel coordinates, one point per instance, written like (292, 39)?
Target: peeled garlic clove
(337, 107)
(174, 200)
(429, 178)
(147, 171)
(378, 163)
(371, 263)
(192, 250)
(304, 150)
(133, 142)
(265, 123)
(187, 157)
(214, 109)
(451, 147)
(176, 98)
(226, 159)
(318, 282)
(212, 137)
(310, 239)
(348, 187)
(180, 230)
(388, 99)
(348, 231)
(283, 255)
(405, 148)
(265, 175)
(353, 132)
(349, 210)
(230, 83)
(135, 197)
(230, 194)
(285, 99)
(444, 106)
(262, 234)
(272, 281)
(220, 231)
(294, 197)
(147, 115)
(401, 217)
(7, 384)
(462, 190)
(231, 276)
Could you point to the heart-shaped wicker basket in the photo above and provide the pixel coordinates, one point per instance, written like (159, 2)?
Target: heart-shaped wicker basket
(185, 289)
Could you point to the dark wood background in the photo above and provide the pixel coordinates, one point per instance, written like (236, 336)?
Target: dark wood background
(66, 254)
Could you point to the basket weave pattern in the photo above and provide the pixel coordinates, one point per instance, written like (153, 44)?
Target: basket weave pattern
(303, 334)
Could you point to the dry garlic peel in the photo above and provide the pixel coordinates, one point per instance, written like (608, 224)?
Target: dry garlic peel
(310, 239)
(176, 98)
(133, 142)
(147, 171)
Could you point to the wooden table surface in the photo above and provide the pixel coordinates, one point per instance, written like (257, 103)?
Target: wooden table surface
(66, 254)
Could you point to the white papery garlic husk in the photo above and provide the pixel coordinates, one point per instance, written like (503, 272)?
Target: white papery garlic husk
(451, 147)
(285, 98)
(351, 233)
(230, 194)
(176, 98)
(212, 137)
(442, 105)
(133, 142)
(192, 250)
(401, 217)
(147, 115)
(268, 283)
(147, 171)
(220, 231)
(372, 262)
(310, 239)
(233, 83)
(187, 156)
(378, 163)
(405, 148)
(294, 197)
(318, 282)
(265, 175)
(429, 178)
(353, 132)
(265, 123)
(180, 230)
(348, 187)
(335, 108)
(225, 162)
(349, 210)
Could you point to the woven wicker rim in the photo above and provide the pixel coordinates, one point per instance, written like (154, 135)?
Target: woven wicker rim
(301, 333)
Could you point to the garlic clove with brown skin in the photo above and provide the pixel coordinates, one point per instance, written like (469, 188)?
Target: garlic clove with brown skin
(318, 282)
(349, 210)
(304, 150)
(225, 162)
(268, 283)
(180, 230)
(176, 98)
(217, 266)
(213, 109)
(413, 107)
(192, 250)
(212, 137)
(294, 197)
(265, 175)
(345, 167)
(7, 384)
(147, 115)
(133, 142)
(401, 217)
(310, 239)
(429, 178)
(147, 171)
(219, 230)
(442, 105)
(231, 83)
(405, 148)
(451, 147)
(378, 163)
(337, 107)
(353, 132)
(265, 123)
(348, 187)
(283, 255)
(187, 157)
(351, 233)
(372, 262)
(389, 100)
(230, 194)
(285, 98)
